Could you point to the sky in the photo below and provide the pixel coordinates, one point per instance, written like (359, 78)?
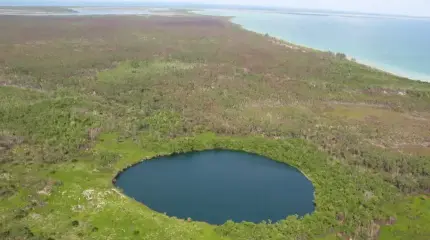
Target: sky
(403, 7)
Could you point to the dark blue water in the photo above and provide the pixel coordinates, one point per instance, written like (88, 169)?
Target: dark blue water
(216, 186)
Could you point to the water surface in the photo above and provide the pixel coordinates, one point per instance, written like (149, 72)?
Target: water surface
(216, 186)
(400, 45)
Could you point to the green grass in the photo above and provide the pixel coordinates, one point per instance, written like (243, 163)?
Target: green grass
(86, 194)
(412, 221)
(81, 98)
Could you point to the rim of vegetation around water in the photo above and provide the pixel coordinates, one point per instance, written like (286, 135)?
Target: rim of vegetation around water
(340, 191)
(83, 97)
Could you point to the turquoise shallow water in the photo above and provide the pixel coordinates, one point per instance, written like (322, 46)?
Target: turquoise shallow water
(216, 186)
(397, 45)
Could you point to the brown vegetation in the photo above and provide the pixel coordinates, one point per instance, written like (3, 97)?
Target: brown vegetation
(64, 80)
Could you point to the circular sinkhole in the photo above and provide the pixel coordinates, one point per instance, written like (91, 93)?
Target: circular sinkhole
(218, 185)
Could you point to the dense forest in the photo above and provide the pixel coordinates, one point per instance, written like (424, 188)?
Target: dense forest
(83, 97)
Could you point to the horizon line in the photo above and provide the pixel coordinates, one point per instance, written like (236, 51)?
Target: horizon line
(163, 3)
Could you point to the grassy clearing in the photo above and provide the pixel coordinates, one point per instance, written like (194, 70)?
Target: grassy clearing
(412, 221)
(82, 98)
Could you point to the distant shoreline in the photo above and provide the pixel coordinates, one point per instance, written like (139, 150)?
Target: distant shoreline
(374, 66)
(202, 6)
(91, 11)
(69, 10)
(35, 9)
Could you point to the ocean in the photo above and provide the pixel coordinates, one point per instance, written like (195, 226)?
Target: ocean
(400, 45)
(396, 44)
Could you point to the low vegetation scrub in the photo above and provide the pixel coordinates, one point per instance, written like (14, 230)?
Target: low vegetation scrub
(83, 97)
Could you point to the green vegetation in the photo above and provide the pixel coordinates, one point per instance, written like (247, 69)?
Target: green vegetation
(412, 222)
(83, 97)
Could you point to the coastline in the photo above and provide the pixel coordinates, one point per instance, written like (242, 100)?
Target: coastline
(68, 11)
(381, 67)
(366, 63)
(398, 73)
(374, 66)
(93, 11)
